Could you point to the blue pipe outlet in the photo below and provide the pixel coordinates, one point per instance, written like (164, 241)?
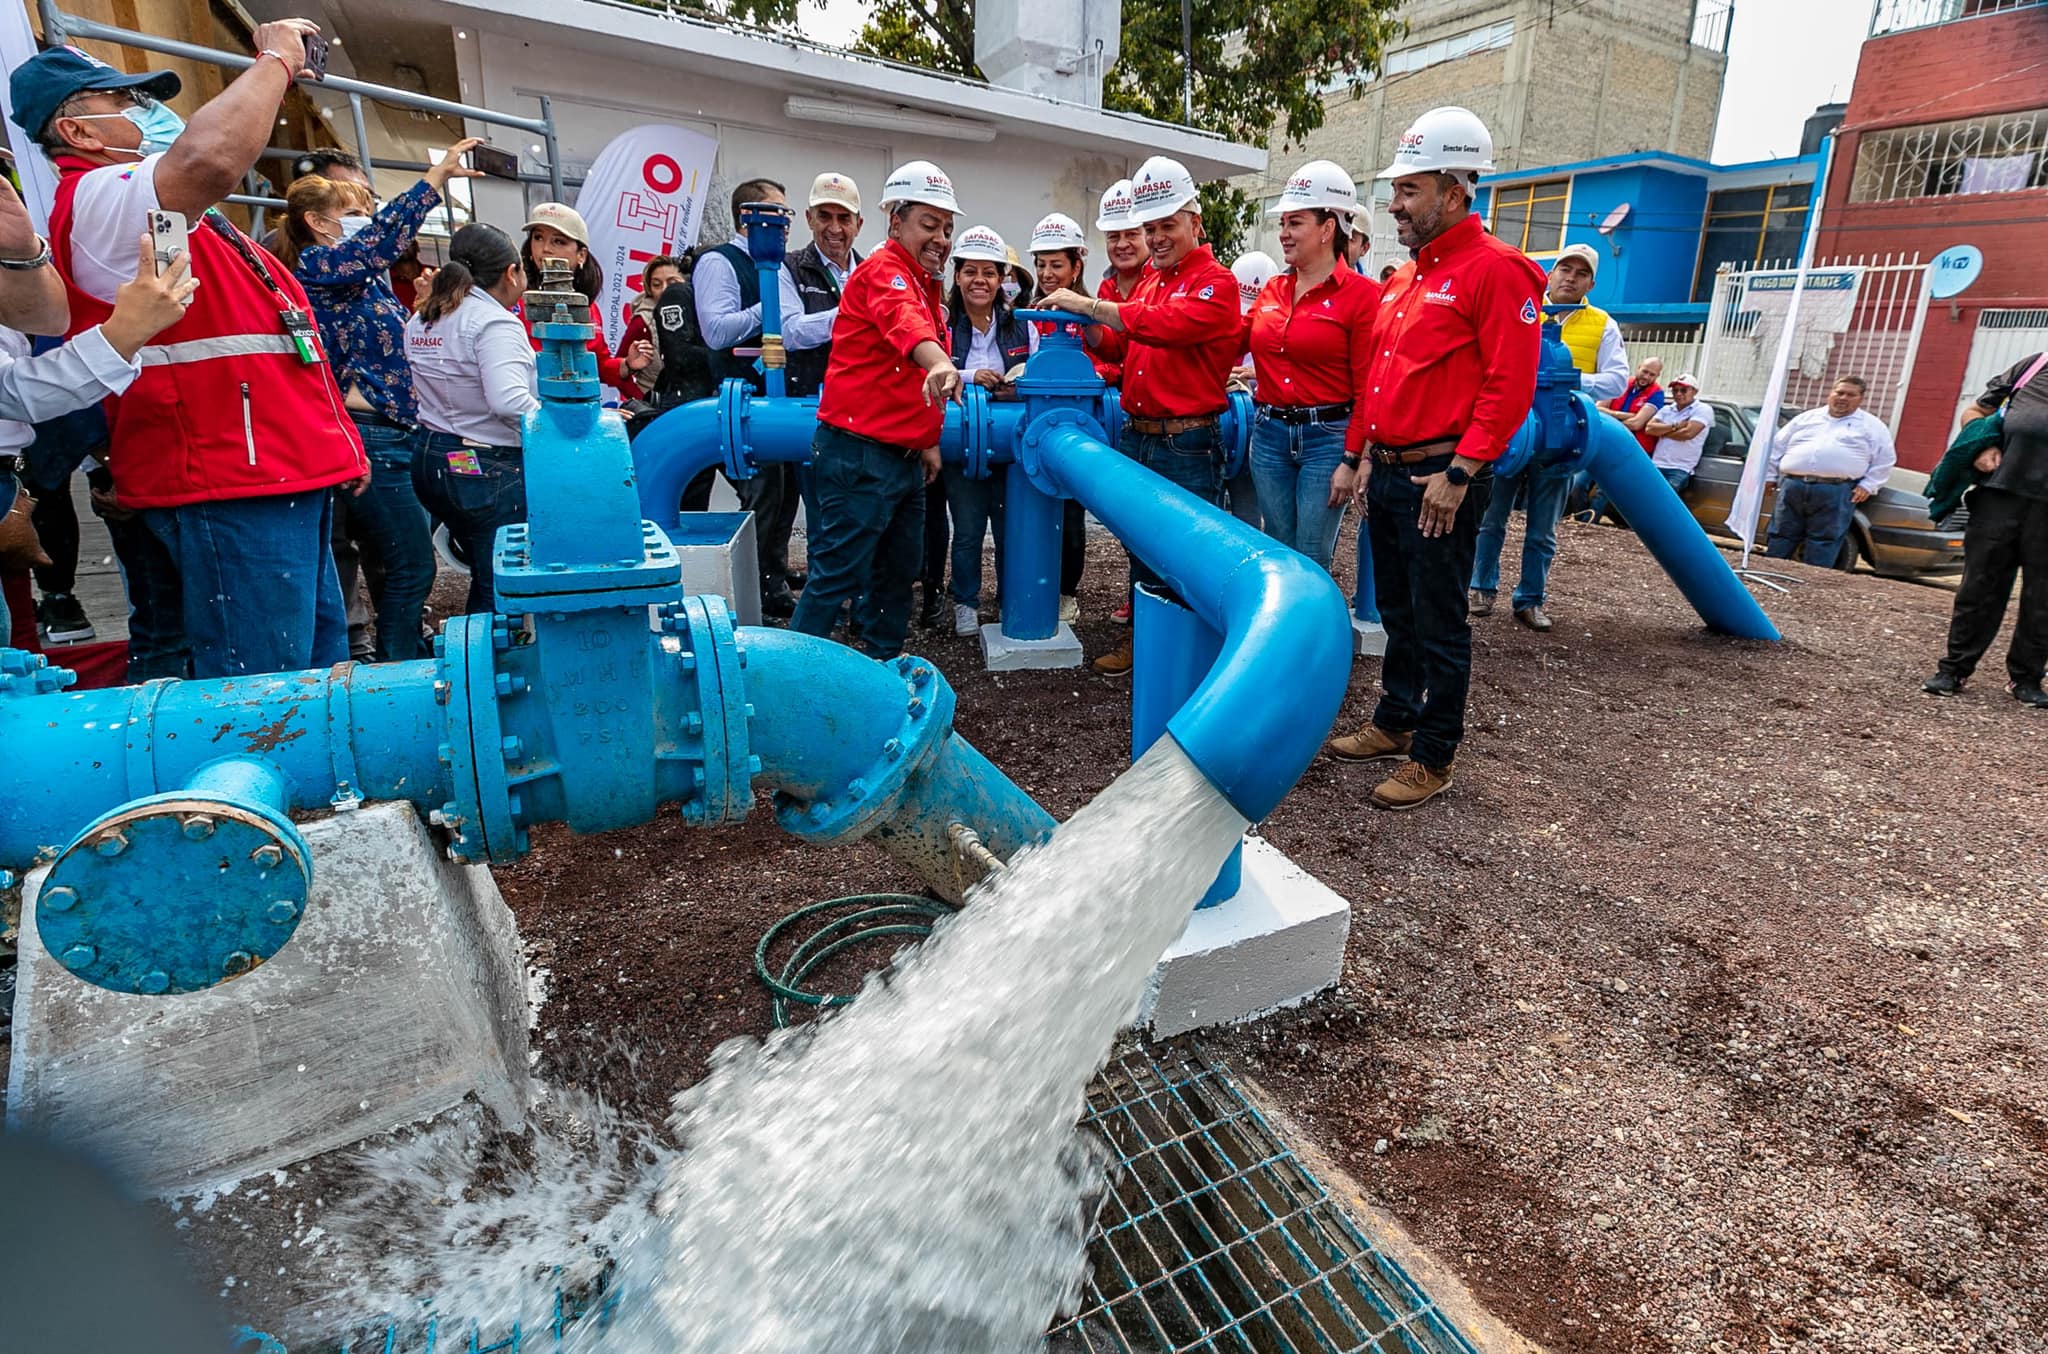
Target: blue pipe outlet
(1175, 650)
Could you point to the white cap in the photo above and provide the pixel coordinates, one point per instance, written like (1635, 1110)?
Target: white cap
(1443, 140)
(1584, 253)
(1160, 188)
(1253, 271)
(1115, 211)
(836, 189)
(920, 181)
(1686, 379)
(560, 216)
(1057, 231)
(979, 242)
(1319, 185)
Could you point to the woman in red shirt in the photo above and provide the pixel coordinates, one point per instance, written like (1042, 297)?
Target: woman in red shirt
(1309, 335)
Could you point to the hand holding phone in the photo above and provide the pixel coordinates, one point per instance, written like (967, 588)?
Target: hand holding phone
(316, 56)
(169, 237)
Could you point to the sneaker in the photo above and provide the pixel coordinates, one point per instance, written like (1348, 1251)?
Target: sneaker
(1533, 617)
(1480, 603)
(63, 621)
(933, 611)
(1117, 662)
(1412, 786)
(2028, 693)
(1070, 609)
(966, 620)
(1942, 684)
(1122, 615)
(1370, 744)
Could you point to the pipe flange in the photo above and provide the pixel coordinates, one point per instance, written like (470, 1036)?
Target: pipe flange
(1112, 416)
(977, 432)
(722, 784)
(735, 402)
(1236, 432)
(1031, 444)
(870, 800)
(478, 816)
(175, 893)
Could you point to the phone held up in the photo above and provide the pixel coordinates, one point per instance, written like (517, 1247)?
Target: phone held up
(494, 163)
(316, 57)
(169, 237)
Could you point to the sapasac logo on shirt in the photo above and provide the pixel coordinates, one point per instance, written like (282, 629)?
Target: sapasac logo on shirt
(1443, 295)
(898, 283)
(1206, 293)
(1528, 310)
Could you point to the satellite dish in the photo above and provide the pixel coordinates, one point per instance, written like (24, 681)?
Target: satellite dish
(1614, 219)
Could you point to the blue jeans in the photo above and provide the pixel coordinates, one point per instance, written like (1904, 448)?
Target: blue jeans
(1419, 583)
(1193, 460)
(976, 507)
(867, 541)
(473, 506)
(1817, 514)
(258, 584)
(1602, 505)
(390, 521)
(1292, 464)
(1548, 486)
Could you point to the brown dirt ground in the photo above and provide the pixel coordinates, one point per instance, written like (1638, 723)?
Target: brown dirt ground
(1705, 1014)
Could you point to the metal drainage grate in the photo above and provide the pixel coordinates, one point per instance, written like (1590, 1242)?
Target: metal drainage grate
(1211, 1236)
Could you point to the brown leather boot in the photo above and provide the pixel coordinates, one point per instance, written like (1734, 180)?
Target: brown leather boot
(1412, 786)
(1369, 744)
(1117, 662)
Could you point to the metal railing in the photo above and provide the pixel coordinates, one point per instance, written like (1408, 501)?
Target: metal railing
(1897, 16)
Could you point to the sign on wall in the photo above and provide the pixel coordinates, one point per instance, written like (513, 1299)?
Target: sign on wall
(643, 197)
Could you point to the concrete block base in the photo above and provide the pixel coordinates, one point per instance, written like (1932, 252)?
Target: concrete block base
(1000, 653)
(1276, 942)
(1368, 638)
(403, 991)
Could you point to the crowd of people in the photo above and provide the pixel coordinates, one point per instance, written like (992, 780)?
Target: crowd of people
(324, 397)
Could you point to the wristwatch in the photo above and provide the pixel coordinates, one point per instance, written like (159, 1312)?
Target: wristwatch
(41, 259)
(1351, 460)
(1458, 475)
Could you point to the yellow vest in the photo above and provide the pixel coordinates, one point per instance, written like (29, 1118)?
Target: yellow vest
(1582, 331)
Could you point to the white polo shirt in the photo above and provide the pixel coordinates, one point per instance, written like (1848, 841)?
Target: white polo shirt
(1680, 453)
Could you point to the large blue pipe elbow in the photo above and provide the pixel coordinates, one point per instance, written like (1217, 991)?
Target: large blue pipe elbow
(1662, 522)
(1259, 717)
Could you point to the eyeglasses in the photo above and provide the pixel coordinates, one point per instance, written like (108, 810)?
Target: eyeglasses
(133, 97)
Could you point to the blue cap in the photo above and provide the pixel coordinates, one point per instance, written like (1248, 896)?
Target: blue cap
(40, 85)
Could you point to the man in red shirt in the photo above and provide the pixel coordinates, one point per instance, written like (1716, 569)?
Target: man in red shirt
(1181, 338)
(1453, 370)
(879, 416)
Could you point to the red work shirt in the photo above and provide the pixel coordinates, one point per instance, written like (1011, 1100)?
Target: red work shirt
(873, 389)
(1317, 349)
(1454, 348)
(1182, 335)
(1106, 345)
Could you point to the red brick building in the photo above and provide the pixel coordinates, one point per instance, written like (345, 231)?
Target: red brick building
(1945, 143)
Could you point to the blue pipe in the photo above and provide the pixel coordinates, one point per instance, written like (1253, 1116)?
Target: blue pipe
(1175, 650)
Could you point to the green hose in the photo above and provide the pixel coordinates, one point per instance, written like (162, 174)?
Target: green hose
(879, 915)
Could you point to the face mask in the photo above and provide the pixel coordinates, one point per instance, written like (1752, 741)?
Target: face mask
(1012, 289)
(159, 125)
(351, 225)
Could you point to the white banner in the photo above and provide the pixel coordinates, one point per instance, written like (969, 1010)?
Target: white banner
(38, 177)
(1749, 494)
(643, 197)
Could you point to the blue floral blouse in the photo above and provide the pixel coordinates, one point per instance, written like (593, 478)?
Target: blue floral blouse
(361, 319)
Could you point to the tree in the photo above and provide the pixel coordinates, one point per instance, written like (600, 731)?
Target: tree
(1258, 66)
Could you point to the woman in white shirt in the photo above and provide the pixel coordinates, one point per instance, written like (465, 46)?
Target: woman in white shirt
(473, 373)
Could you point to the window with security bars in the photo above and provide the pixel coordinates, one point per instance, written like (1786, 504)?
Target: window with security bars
(1748, 227)
(1530, 216)
(2000, 153)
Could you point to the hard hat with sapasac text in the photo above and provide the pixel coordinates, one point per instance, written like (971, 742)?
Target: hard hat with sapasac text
(979, 242)
(1253, 271)
(920, 181)
(1115, 211)
(1319, 185)
(1160, 188)
(1443, 141)
(1057, 231)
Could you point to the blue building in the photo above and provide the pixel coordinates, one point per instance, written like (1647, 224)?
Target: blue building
(1664, 224)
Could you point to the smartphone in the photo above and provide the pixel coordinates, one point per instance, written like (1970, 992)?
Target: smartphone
(494, 163)
(316, 56)
(168, 238)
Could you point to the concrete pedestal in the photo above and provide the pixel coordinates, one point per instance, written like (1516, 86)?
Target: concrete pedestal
(1276, 942)
(1000, 653)
(1368, 638)
(403, 992)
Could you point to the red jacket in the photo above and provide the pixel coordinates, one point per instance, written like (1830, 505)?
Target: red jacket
(872, 388)
(1182, 334)
(1454, 346)
(1105, 345)
(224, 408)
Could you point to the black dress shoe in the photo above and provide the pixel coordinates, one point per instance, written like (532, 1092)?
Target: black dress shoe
(2029, 693)
(933, 613)
(778, 606)
(1942, 684)
(797, 581)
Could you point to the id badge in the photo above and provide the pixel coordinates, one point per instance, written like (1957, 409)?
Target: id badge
(463, 461)
(304, 334)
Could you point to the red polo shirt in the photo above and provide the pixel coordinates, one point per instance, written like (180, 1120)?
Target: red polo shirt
(1182, 335)
(1453, 351)
(1106, 345)
(1314, 350)
(873, 389)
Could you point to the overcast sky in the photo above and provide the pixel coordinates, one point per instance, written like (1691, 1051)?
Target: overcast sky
(1784, 58)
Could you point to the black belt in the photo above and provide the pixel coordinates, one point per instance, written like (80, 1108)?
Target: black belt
(1305, 413)
(1823, 479)
(1412, 454)
(380, 419)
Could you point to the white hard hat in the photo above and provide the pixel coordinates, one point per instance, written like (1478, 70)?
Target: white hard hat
(1058, 231)
(1161, 187)
(1115, 212)
(920, 181)
(1443, 140)
(1319, 185)
(1253, 271)
(979, 242)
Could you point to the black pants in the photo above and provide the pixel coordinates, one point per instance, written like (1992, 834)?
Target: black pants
(1419, 582)
(2006, 535)
(56, 523)
(771, 495)
(474, 505)
(1073, 546)
(938, 539)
